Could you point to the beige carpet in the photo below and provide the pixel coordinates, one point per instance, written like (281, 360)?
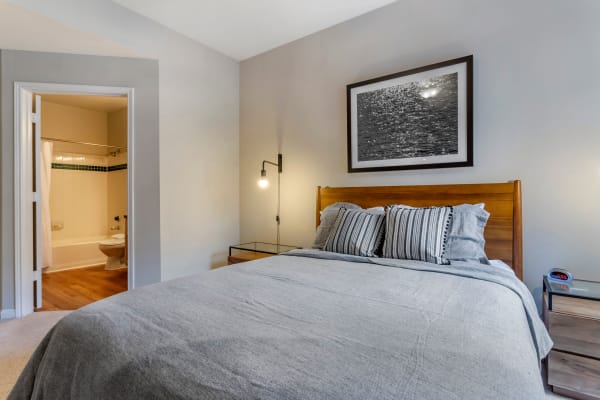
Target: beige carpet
(18, 340)
(20, 337)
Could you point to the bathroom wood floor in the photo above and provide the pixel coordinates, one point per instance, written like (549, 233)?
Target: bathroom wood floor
(73, 289)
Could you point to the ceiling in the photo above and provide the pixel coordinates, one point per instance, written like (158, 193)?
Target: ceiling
(96, 103)
(244, 28)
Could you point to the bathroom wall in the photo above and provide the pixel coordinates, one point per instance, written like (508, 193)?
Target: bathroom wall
(87, 192)
(84, 200)
(117, 174)
(78, 209)
(77, 196)
(74, 123)
(117, 128)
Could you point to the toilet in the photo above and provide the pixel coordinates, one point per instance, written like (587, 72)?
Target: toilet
(114, 249)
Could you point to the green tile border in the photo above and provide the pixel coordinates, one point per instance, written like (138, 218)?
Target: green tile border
(93, 168)
(117, 167)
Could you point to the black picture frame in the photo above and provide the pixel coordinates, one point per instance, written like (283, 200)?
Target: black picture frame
(392, 124)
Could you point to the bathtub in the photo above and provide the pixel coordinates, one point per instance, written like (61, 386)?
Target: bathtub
(76, 253)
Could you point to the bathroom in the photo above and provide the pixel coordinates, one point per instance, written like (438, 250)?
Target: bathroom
(84, 197)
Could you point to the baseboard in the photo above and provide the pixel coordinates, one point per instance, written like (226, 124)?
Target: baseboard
(8, 314)
(88, 264)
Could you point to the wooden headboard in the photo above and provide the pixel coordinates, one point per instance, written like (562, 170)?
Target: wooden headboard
(503, 233)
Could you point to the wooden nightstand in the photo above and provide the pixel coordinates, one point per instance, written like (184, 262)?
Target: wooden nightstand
(572, 315)
(254, 250)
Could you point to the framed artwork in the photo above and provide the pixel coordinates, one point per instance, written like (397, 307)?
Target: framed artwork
(416, 119)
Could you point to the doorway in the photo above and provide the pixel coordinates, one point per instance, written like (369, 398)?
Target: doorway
(74, 172)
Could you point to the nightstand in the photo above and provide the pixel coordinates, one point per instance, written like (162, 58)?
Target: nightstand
(572, 315)
(254, 250)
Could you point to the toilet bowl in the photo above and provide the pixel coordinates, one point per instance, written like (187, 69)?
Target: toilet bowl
(114, 249)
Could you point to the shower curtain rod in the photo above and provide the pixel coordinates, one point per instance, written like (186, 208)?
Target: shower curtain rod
(86, 143)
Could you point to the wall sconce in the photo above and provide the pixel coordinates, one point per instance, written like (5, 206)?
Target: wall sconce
(264, 183)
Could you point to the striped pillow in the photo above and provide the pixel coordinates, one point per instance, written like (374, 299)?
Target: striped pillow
(417, 233)
(356, 232)
(328, 217)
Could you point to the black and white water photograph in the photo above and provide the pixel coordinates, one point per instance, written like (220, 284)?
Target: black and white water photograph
(410, 123)
(416, 119)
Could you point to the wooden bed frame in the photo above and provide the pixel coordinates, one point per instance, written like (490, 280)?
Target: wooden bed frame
(503, 233)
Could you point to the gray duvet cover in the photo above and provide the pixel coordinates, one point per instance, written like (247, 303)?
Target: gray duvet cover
(301, 327)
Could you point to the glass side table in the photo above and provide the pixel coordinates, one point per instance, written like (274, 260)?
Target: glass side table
(254, 250)
(576, 288)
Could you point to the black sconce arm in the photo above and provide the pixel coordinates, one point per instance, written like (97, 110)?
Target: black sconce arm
(278, 164)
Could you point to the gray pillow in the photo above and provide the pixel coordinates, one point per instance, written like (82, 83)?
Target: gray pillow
(465, 237)
(356, 232)
(328, 216)
(417, 233)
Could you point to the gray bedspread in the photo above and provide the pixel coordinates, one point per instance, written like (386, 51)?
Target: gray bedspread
(301, 327)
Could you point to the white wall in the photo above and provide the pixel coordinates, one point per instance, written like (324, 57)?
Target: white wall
(199, 104)
(536, 117)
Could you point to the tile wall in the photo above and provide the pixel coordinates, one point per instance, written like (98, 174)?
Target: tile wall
(87, 192)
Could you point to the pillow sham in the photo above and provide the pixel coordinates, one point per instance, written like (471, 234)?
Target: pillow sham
(328, 216)
(356, 232)
(465, 238)
(417, 233)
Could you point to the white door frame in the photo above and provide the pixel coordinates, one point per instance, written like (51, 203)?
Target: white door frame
(22, 192)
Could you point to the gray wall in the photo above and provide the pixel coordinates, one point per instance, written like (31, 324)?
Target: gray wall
(536, 117)
(140, 74)
(199, 110)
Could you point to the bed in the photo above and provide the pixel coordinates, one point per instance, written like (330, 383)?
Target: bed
(314, 325)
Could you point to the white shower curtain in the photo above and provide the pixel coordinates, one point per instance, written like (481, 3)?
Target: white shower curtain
(46, 223)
